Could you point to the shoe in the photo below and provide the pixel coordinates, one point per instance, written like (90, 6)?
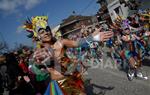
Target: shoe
(130, 75)
(140, 75)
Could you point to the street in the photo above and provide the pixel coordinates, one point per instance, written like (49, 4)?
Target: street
(112, 81)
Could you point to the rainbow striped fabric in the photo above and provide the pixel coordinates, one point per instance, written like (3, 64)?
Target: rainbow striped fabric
(53, 89)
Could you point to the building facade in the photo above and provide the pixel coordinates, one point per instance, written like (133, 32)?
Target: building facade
(74, 23)
(116, 8)
(103, 13)
(122, 8)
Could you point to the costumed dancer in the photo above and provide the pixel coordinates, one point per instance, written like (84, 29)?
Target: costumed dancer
(51, 54)
(131, 55)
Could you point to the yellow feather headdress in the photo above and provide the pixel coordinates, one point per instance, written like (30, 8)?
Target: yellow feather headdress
(34, 24)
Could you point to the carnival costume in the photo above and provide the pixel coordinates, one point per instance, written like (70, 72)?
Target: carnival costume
(72, 83)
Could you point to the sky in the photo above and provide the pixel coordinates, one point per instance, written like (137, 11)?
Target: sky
(14, 12)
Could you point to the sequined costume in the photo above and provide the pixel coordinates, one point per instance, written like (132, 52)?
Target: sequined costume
(72, 82)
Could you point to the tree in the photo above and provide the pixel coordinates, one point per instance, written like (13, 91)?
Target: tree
(3, 47)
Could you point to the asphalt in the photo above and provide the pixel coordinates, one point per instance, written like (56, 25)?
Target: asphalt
(107, 79)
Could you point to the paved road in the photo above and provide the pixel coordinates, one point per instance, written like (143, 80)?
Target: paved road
(111, 81)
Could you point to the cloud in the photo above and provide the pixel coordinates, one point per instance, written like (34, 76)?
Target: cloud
(31, 3)
(11, 6)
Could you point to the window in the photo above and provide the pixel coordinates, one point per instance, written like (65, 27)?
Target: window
(118, 11)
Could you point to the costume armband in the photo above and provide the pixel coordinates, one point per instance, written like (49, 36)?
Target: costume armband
(86, 40)
(96, 37)
(89, 39)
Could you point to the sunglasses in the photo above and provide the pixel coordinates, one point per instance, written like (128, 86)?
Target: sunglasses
(46, 30)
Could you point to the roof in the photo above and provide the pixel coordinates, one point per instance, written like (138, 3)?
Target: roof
(72, 19)
(71, 31)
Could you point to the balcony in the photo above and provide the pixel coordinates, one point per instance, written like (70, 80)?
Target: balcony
(105, 16)
(104, 7)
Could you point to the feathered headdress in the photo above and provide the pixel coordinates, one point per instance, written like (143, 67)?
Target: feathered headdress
(125, 24)
(34, 24)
